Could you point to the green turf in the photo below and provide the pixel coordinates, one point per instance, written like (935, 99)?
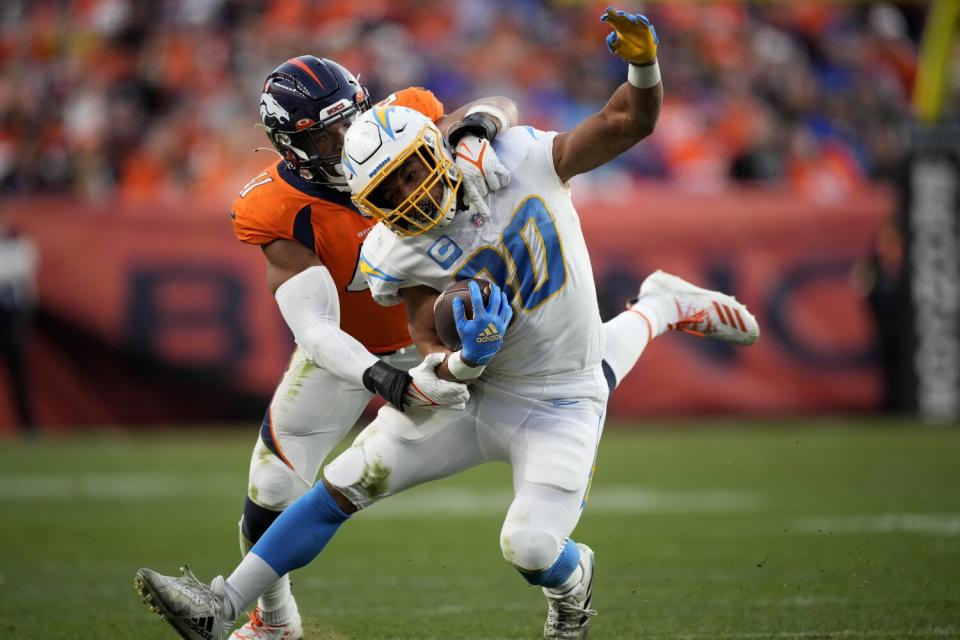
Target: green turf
(788, 531)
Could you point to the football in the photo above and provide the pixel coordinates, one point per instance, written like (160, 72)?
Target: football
(443, 309)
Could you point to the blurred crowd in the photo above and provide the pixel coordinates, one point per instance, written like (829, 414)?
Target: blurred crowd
(108, 99)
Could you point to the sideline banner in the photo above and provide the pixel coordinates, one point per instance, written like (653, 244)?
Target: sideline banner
(164, 302)
(931, 215)
(789, 260)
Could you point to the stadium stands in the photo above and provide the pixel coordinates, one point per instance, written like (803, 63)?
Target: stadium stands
(145, 100)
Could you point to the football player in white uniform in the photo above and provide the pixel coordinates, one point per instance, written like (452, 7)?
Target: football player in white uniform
(349, 348)
(538, 386)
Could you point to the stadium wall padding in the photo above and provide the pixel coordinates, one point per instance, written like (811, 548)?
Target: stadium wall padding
(158, 314)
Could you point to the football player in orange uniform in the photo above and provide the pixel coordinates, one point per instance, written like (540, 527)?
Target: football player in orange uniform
(298, 210)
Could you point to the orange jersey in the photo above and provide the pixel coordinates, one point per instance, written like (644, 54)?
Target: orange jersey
(279, 204)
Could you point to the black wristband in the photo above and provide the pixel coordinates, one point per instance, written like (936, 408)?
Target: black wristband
(388, 382)
(475, 124)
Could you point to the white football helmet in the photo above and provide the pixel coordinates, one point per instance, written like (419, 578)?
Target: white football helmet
(381, 140)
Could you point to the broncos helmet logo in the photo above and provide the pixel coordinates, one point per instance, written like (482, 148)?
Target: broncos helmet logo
(269, 107)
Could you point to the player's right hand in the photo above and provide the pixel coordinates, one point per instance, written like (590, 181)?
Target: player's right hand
(427, 391)
(482, 172)
(634, 39)
(482, 336)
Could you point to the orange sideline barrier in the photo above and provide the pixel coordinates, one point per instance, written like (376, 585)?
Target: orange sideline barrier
(170, 287)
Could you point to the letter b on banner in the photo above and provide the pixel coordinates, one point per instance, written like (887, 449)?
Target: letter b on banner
(190, 316)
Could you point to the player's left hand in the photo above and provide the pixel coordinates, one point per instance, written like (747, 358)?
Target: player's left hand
(482, 172)
(427, 391)
(634, 39)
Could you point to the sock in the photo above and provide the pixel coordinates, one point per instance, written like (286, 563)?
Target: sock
(277, 606)
(251, 578)
(659, 309)
(571, 582)
(292, 541)
(628, 334)
(560, 571)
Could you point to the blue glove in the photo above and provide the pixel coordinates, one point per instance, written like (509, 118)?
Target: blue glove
(634, 39)
(482, 336)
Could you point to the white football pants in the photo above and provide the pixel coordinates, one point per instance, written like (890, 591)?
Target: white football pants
(311, 411)
(551, 445)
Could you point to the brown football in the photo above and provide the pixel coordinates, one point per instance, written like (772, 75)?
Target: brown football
(443, 309)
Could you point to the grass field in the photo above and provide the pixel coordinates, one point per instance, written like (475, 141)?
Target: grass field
(771, 531)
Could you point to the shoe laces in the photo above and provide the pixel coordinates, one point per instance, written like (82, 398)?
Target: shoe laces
(187, 575)
(573, 609)
(215, 588)
(690, 319)
(566, 614)
(255, 620)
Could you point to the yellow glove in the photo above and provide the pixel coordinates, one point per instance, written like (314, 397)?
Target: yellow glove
(634, 39)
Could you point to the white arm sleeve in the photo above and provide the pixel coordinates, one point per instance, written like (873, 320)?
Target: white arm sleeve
(309, 304)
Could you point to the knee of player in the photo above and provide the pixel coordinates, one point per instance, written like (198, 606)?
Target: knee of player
(273, 487)
(362, 470)
(529, 550)
(254, 523)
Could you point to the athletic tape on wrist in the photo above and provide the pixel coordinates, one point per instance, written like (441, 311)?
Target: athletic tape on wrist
(644, 77)
(462, 370)
(497, 114)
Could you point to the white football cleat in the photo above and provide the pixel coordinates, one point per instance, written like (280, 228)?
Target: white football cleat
(704, 313)
(257, 629)
(195, 610)
(569, 614)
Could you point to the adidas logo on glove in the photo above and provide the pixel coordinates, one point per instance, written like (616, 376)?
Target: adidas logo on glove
(490, 334)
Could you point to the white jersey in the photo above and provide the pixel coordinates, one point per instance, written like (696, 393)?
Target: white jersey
(533, 246)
